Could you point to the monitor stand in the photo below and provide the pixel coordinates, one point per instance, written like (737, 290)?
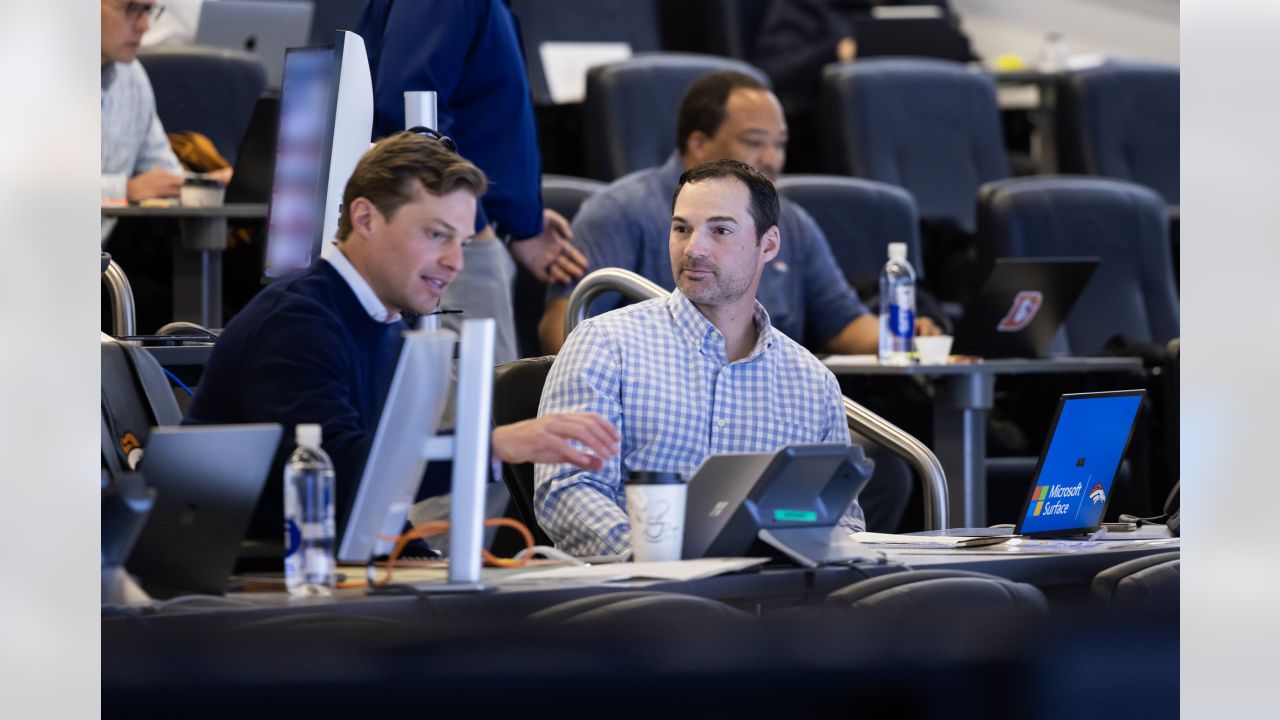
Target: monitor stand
(812, 547)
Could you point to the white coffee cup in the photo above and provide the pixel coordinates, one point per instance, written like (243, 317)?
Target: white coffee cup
(202, 192)
(655, 506)
(933, 349)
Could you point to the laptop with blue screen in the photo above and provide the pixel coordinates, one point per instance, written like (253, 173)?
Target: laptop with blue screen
(1072, 483)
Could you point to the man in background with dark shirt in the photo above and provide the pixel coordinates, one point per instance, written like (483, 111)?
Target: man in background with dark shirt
(320, 346)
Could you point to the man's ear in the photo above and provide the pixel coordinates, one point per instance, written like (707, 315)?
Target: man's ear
(770, 243)
(364, 215)
(696, 146)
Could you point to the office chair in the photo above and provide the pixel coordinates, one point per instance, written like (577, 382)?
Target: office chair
(630, 108)
(517, 390)
(1121, 120)
(1132, 294)
(634, 22)
(638, 606)
(1144, 585)
(564, 194)
(930, 126)
(860, 218)
(923, 592)
(209, 90)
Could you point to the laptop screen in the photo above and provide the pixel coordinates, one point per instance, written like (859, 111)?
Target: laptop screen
(1073, 479)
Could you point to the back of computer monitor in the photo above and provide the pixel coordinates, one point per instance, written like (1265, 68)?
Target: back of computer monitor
(352, 126)
(397, 457)
(326, 120)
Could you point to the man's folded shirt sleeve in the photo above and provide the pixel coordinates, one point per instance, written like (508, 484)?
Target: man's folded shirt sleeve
(580, 510)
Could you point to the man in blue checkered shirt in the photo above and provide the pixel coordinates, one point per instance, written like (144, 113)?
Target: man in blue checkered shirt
(695, 373)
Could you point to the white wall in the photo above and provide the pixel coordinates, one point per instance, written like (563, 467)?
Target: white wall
(1145, 29)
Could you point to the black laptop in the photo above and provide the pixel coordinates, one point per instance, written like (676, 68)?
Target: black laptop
(1021, 305)
(207, 480)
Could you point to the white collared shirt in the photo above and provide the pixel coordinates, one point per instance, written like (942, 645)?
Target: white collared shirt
(364, 293)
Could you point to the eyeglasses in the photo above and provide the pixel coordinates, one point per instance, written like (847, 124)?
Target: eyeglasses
(133, 11)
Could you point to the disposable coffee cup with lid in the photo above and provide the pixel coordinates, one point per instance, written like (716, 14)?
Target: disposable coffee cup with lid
(656, 507)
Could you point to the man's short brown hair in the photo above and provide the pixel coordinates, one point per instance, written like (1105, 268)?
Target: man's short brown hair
(386, 175)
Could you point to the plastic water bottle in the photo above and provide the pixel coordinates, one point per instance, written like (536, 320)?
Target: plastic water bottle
(897, 307)
(309, 517)
(1054, 54)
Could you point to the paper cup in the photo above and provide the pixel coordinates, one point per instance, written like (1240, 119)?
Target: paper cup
(655, 507)
(933, 349)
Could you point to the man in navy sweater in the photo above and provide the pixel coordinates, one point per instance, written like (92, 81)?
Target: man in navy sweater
(320, 346)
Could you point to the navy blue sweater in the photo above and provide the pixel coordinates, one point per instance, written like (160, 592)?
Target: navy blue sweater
(304, 350)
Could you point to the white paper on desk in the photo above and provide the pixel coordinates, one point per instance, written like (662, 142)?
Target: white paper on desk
(835, 361)
(940, 541)
(675, 570)
(565, 65)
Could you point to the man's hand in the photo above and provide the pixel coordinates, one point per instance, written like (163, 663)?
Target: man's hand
(546, 440)
(548, 255)
(154, 183)
(925, 326)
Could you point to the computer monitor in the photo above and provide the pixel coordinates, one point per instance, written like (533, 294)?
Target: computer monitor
(406, 439)
(326, 120)
(411, 415)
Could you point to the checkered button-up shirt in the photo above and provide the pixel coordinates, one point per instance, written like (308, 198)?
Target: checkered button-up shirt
(658, 371)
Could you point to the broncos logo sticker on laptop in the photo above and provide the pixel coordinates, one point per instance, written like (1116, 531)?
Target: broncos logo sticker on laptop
(1023, 310)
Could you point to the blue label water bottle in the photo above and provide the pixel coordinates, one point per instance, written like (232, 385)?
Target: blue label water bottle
(309, 525)
(897, 308)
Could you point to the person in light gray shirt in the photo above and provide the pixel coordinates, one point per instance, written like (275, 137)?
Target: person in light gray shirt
(137, 163)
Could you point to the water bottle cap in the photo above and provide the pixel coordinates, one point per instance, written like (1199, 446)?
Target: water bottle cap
(897, 251)
(307, 435)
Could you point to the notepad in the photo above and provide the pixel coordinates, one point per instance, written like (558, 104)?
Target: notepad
(674, 570)
(929, 541)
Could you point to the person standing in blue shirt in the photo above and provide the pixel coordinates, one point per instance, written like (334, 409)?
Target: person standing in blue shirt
(469, 54)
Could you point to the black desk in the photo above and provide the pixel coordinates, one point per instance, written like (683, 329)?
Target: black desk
(965, 394)
(197, 261)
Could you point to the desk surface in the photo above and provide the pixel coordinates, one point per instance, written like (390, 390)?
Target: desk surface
(233, 210)
(767, 588)
(860, 365)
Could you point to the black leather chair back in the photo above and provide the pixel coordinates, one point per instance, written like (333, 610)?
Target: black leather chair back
(928, 592)
(629, 113)
(639, 606)
(1132, 293)
(1121, 120)
(860, 218)
(565, 195)
(209, 90)
(517, 390)
(930, 126)
(634, 22)
(1144, 585)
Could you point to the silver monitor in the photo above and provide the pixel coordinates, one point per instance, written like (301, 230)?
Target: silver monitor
(406, 439)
